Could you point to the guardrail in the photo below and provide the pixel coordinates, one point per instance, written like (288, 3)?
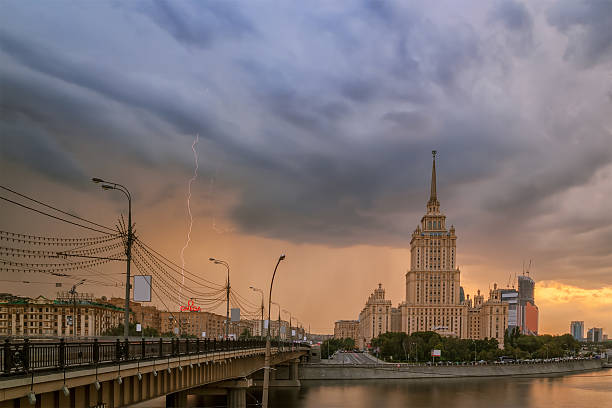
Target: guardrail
(26, 356)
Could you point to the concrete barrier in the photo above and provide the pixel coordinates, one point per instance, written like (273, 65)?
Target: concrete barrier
(392, 371)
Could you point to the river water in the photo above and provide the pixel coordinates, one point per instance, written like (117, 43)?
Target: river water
(585, 389)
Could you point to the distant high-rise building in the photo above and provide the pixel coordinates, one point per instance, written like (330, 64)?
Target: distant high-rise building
(595, 335)
(510, 296)
(528, 313)
(577, 329)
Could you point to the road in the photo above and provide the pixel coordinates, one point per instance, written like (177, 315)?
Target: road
(354, 358)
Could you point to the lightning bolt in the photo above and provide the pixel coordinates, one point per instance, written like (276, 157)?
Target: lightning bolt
(191, 180)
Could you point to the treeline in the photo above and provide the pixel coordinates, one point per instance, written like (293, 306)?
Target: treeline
(118, 331)
(329, 347)
(417, 347)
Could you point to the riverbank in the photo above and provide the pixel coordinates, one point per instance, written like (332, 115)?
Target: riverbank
(393, 371)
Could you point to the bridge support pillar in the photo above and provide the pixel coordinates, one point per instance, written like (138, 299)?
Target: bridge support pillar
(176, 400)
(236, 398)
(294, 370)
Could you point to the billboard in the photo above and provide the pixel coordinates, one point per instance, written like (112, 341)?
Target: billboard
(235, 315)
(436, 353)
(142, 288)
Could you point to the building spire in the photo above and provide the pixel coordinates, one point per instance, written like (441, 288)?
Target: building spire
(433, 205)
(434, 195)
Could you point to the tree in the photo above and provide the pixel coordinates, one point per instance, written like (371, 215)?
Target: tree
(245, 334)
(118, 331)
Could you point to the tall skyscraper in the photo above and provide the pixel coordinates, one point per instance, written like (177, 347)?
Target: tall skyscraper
(510, 296)
(528, 313)
(434, 297)
(577, 330)
(432, 283)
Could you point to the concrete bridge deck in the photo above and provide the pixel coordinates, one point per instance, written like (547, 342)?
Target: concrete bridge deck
(125, 383)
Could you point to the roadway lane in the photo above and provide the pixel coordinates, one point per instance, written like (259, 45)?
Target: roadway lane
(354, 358)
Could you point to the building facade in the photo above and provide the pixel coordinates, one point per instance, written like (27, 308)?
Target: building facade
(147, 316)
(199, 324)
(375, 318)
(488, 319)
(346, 329)
(577, 329)
(595, 335)
(79, 316)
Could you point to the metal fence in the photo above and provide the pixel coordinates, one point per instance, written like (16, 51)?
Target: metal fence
(25, 356)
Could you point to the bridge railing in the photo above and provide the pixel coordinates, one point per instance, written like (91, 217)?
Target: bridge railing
(25, 356)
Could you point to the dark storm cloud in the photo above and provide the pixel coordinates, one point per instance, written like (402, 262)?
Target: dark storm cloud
(513, 15)
(321, 119)
(198, 24)
(559, 175)
(587, 25)
(106, 81)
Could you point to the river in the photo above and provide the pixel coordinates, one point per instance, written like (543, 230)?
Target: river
(585, 389)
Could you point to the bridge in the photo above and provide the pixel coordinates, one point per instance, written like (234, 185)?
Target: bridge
(103, 374)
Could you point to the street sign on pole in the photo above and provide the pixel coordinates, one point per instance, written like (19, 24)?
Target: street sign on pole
(235, 315)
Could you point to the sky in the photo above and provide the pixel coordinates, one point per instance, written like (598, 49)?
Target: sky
(315, 124)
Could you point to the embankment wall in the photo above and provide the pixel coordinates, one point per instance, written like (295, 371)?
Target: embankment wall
(365, 372)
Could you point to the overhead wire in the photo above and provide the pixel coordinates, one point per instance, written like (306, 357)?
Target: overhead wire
(54, 208)
(176, 267)
(170, 277)
(54, 216)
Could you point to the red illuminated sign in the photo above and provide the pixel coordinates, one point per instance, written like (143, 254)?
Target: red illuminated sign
(190, 307)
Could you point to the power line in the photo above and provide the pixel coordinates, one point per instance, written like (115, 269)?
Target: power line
(53, 216)
(56, 209)
(147, 247)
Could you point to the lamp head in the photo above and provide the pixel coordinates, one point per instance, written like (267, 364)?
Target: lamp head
(212, 259)
(97, 180)
(107, 187)
(282, 257)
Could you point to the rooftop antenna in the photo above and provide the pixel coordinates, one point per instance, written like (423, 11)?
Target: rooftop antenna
(529, 268)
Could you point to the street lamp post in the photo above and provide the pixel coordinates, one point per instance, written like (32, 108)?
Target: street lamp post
(227, 316)
(128, 251)
(266, 385)
(262, 308)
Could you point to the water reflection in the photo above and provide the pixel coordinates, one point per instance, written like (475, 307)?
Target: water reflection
(585, 389)
(564, 391)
